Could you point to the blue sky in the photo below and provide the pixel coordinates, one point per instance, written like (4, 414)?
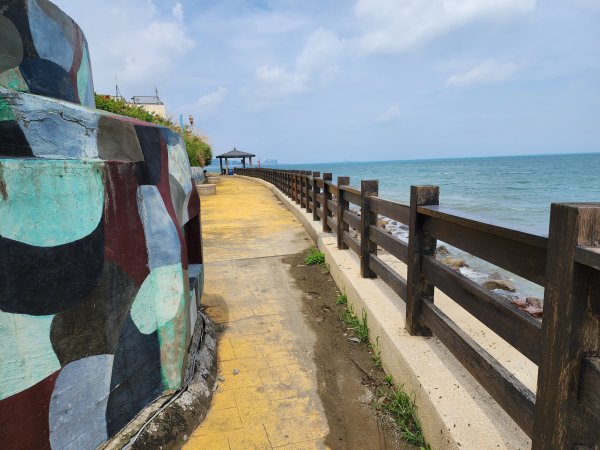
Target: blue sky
(356, 80)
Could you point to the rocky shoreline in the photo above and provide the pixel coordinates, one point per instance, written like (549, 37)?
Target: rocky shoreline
(495, 282)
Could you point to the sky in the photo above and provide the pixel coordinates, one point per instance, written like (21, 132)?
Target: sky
(359, 80)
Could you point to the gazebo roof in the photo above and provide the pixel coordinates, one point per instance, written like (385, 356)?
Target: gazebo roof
(235, 153)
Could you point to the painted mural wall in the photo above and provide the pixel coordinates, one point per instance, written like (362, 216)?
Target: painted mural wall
(100, 245)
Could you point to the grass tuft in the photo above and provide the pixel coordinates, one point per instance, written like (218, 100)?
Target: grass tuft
(404, 411)
(376, 356)
(341, 300)
(360, 327)
(314, 257)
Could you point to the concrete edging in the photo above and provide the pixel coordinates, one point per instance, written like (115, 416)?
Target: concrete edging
(454, 410)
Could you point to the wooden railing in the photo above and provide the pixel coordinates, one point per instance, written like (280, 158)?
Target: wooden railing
(565, 412)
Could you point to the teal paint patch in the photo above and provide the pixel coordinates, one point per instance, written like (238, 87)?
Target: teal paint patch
(172, 338)
(25, 351)
(159, 299)
(13, 80)
(50, 202)
(84, 81)
(6, 112)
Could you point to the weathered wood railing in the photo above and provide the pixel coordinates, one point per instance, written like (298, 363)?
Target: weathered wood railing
(565, 411)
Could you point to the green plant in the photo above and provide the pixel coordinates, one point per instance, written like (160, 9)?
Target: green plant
(376, 356)
(341, 300)
(198, 149)
(404, 411)
(360, 327)
(388, 380)
(314, 256)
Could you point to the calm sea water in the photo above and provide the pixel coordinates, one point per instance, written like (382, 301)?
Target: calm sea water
(516, 191)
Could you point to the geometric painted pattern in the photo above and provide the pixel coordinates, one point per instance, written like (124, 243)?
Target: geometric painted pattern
(99, 233)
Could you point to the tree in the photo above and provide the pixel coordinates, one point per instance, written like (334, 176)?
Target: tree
(197, 146)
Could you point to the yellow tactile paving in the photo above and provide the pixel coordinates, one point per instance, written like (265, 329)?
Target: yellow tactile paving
(271, 401)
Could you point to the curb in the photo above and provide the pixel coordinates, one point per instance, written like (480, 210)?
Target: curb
(169, 421)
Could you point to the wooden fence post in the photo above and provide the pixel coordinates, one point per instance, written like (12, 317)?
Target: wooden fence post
(419, 245)
(315, 191)
(327, 177)
(368, 188)
(342, 206)
(570, 332)
(296, 185)
(305, 190)
(309, 181)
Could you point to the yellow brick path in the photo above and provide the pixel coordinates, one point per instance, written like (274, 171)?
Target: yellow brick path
(272, 402)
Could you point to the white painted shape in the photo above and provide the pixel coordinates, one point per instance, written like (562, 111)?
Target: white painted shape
(162, 239)
(179, 166)
(77, 415)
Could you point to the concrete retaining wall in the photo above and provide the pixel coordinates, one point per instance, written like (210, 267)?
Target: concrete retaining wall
(100, 245)
(455, 411)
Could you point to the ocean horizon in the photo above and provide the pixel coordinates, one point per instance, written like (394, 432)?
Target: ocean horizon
(515, 191)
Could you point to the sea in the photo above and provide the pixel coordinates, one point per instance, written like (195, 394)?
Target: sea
(516, 191)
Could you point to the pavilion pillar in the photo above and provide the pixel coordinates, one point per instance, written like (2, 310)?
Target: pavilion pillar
(227, 166)
(221, 164)
(244, 163)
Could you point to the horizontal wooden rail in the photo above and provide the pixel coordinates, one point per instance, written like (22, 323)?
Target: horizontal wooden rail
(352, 219)
(332, 223)
(389, 276)
(331, 206)
(516, 251)
(333, 189)
(503, 386)
(389, 243)
(514, 326)
(352, 243)
(393, 210)
(588, 256)
(351, 194)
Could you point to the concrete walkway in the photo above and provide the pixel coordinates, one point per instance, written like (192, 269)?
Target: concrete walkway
(267, 397)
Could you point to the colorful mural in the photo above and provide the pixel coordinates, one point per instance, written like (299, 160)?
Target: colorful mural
(100, 245)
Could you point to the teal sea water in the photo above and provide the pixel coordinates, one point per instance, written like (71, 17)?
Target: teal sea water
(515, 191)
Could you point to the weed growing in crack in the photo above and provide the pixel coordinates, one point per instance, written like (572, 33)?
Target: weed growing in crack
(314, 257)
(376, 356)
(388, 380)
(360, 327)
(404, 411)
(341, 300)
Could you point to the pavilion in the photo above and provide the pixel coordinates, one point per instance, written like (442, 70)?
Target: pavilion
(234, 154)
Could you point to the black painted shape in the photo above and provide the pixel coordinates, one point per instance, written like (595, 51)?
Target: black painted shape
(47, 78)
(47, 280)
(92, 327)
(17, 13)
(136, 377)
(13, 141)
(148, 171)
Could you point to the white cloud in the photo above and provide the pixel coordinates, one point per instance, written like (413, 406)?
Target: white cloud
(209, 102)
(389, 115)
(316, 65)
(178, 12)
(490, 71)
(142, 46)
(398, 25)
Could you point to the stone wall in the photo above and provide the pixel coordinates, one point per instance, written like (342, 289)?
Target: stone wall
(100, 245)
